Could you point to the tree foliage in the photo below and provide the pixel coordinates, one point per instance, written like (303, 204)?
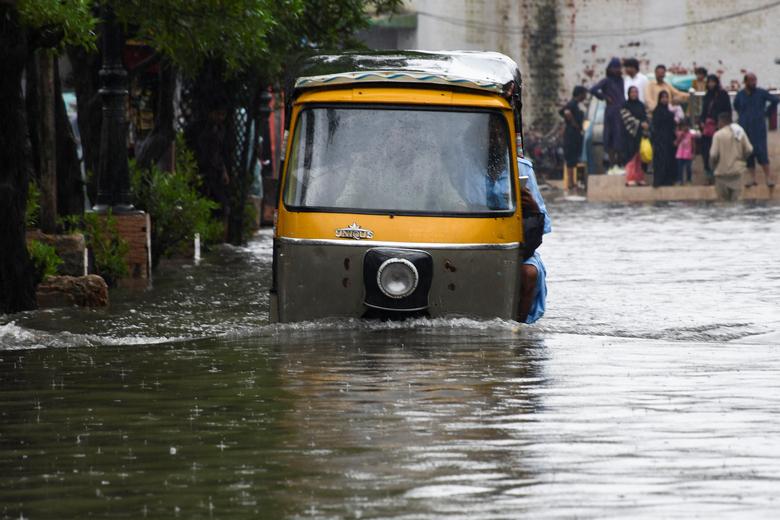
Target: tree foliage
(320, 25)
(45, 259)
(190, 32)
(245, 34)
(59, 22)
(108, 248)
(174, 201)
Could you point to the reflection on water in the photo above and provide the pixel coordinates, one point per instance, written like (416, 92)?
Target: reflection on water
(650, 390)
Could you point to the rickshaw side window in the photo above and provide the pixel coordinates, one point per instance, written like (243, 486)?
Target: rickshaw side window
(406, 160)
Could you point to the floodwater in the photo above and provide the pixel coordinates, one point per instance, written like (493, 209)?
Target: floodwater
(651, 389)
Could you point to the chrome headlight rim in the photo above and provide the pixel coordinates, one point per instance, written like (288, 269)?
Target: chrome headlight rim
(412, 269)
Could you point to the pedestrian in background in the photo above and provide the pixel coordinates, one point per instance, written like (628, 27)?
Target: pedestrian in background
(699, 86)
(700, 83)
(685, 147)
(728, 154)
(610, 89)
(660, 85)
(634, 78)
(753, 105)
(663, 136)
(635, 126)
(574, 118)
(716, 101)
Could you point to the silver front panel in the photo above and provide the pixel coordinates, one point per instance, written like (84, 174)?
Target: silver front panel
(318, 279)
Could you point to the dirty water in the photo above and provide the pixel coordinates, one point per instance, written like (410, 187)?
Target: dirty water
(651, 389)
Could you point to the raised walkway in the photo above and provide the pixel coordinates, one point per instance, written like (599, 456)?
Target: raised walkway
(612, 188)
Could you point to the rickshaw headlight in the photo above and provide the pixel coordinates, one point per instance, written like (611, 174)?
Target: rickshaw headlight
(397, 278)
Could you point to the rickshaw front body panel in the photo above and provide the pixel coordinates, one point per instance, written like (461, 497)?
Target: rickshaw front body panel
(321, 279)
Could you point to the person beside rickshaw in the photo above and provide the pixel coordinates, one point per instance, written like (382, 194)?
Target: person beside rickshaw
(754, 105)
(536, 222)
(716, 101)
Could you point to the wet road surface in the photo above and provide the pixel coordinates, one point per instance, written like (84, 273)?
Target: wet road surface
(650, 390)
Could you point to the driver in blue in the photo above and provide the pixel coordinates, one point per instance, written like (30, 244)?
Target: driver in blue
(533, 275)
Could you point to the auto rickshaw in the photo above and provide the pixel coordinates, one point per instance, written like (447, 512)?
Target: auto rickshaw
(400, 193)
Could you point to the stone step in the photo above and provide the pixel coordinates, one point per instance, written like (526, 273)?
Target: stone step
(612, 188)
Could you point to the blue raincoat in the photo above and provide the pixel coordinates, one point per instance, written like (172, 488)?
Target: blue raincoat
(526, 168)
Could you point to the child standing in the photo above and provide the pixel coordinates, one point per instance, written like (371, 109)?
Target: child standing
(685, 149)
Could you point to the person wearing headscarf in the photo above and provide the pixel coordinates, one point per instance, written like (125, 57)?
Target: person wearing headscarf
(634, 116)
(663, 136)
(610, 89)
(716, 101)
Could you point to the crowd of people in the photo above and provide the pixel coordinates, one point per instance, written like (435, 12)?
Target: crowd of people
(647, 128)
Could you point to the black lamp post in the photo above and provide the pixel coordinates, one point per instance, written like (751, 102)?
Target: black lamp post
(113, 174)
(265, 133)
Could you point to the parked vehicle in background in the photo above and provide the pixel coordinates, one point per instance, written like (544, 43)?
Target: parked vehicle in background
(593, 150)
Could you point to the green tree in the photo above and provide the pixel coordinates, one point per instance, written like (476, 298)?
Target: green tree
(231, 50)
(299, 28)
(25, 26)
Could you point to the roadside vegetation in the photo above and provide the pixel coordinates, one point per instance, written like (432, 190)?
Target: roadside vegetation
(221, 57)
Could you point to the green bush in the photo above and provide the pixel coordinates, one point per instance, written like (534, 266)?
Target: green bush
(109, 250)
(33, 208)
(250, 217)
(177, 208)
(44, 258)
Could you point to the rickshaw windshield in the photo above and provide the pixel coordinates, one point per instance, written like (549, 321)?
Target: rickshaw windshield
(400, 160)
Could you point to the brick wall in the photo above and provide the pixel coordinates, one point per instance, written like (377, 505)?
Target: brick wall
(135, 228)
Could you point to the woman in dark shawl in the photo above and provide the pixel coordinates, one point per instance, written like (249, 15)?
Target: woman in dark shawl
(634, 116)
(663, 136)
(716, 101)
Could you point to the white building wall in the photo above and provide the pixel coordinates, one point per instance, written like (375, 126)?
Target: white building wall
(590, 32)
(594, 30)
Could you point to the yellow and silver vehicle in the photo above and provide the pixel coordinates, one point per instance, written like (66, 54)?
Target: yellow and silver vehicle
(400, 193)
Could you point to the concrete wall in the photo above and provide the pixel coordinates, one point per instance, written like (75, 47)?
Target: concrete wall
(594, 30)
(562, 43)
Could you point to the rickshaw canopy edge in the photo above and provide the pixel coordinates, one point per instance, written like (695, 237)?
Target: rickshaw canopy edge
(474, 70)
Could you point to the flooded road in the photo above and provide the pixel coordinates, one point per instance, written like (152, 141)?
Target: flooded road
(651, 389)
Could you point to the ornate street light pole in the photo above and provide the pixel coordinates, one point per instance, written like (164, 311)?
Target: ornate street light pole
(132, 225)
(113, 174)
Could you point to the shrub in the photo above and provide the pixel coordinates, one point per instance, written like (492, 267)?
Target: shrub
(44, 258)
(109, 250)
(175, 204)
